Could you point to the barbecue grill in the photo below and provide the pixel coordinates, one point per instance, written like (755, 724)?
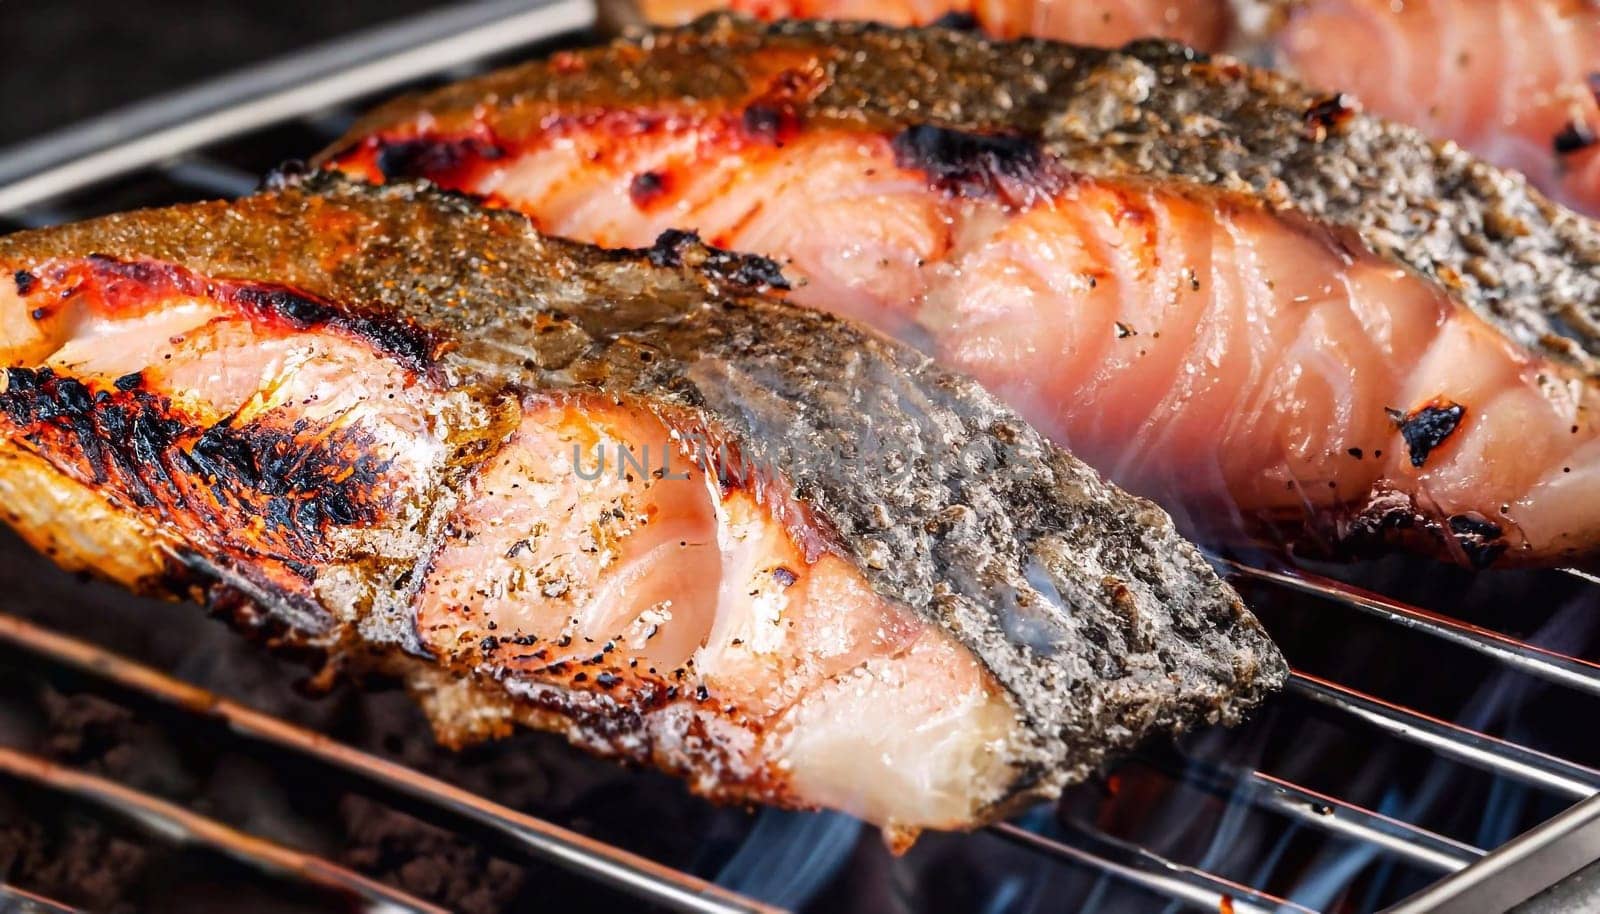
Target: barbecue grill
(1431, 752)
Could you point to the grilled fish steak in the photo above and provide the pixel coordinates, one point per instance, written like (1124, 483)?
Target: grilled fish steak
(614, 494)
(1511, 80)
(1257, 306)
(1514, 81)
(1206, 24)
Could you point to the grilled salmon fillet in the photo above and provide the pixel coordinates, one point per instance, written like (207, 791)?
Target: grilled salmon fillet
(1208, 24)
(617, 495)
(1511, 80)
(1265, 310)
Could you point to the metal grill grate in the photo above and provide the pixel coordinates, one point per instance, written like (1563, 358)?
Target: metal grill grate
(208, 141)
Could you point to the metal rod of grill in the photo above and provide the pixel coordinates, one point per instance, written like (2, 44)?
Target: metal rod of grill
(1134, 864)
(182, 826)
(593, 859)
(1480, 750)
(209, 176)
(322, 76)
(1412, 843)
(1143, 868)
(1553, 666)
(17, 901)
(1540, 857)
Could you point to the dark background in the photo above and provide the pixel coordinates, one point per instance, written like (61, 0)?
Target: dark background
(68, 59)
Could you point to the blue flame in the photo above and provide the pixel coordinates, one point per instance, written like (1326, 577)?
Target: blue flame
(790, 856)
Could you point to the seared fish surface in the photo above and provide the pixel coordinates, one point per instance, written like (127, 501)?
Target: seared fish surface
(1510, 80)
(1205, 24)
(1252, 303)
(1514, 81)
(618, 495)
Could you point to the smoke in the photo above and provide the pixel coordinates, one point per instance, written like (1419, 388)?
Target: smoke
(790, 856)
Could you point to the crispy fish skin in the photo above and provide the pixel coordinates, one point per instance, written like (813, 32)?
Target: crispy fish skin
(1204, 24)
(1460, 70)
(1152, 110)
(1098, 624)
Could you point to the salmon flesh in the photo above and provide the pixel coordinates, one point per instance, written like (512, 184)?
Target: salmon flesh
(618, 495)
(1257, 305)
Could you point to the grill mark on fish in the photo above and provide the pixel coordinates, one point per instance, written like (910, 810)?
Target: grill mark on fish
(130, 439)
(960, 515)
(121, 284)
(263, 497)
(977, 165)
(426, 156)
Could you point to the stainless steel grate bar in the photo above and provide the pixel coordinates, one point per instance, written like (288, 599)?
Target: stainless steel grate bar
(17, 901)
(1551, 665)
(320, 77)
(210, 176)
(1538, 858)
(1188, 885)
(1131, 863)
(597, 860)
(1412, 843)
(1452, 740)
(184, 827)
(1580, 574)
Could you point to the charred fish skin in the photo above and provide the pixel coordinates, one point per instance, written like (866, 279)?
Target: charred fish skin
(437, 331)
(1153, 110)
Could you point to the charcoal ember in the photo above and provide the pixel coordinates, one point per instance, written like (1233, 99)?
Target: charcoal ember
(80, 863)
(425, 861)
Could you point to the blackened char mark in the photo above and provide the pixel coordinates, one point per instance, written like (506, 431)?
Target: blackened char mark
(958, 21)
(301, 310)
(646, 188)
(406, 341)
(1479, 538)
(1329, 114)
(414, 346)
(766, 122)
(440, 160)
(263, 489)
(676, 248)
(1576, 136)
(977, 165)
(1390, 516)
(125, 280)
(281, 621)
(1427, 428)
(1164, 50)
